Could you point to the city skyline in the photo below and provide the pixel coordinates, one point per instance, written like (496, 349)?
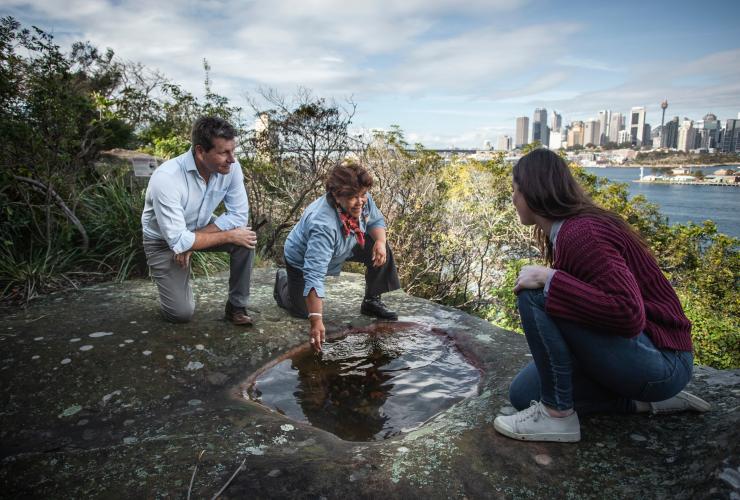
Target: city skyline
(710, 133)
(447, 74)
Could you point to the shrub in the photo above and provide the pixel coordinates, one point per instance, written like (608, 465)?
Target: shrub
(715, 335)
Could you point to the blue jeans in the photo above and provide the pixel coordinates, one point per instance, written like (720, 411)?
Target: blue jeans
(578, 367)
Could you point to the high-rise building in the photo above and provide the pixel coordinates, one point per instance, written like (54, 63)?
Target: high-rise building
(504, 143)
(669, 134)
(522, 132)
(556, 140)
(557, 122)
(616, 125)
(707, 130)
(647, 137)
(637, 126)
(575, 134)
(731, 136)
(591, 132)
(686, 135)
(540, 130)
(623, 136)
(604, 122)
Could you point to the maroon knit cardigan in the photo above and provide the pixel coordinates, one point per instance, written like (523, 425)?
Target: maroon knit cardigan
(608, 281)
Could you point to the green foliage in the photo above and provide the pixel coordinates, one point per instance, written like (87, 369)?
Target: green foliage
(167, 147)
(29, 271)
(112, 213)
(673, 158)
(716, 336)
(503, 311)
(50, 126)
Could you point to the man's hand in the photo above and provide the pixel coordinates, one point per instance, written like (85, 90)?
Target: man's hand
(317, 333)
(183, 259)
(243, 236)
(379, 255)
(532, 277)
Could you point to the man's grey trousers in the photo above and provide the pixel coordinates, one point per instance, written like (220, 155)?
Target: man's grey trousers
(176, 293)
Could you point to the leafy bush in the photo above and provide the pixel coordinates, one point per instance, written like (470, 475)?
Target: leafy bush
(503, 311)
(26, 273)
(112, 213)
(716, 336)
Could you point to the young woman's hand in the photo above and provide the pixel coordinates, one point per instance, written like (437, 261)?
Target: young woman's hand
(532, 277)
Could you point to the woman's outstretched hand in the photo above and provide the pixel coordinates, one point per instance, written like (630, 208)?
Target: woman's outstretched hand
(532, 277)
(317, 333)
(379, 255)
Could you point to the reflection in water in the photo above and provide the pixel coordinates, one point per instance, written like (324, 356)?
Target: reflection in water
(369, 385)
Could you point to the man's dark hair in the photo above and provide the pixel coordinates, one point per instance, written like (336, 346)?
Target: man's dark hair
(207, 128)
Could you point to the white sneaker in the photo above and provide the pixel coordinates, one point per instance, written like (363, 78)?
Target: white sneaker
(535, 424)
(682, 401)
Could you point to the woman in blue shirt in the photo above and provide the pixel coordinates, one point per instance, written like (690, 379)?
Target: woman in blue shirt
(343, 225)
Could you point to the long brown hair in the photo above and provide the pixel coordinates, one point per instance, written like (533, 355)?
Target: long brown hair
(550, 190)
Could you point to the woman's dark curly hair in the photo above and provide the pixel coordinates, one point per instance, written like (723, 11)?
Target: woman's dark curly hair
(347, 179)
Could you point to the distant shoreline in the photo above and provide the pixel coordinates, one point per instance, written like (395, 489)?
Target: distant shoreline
(688, 183)
(705, 165)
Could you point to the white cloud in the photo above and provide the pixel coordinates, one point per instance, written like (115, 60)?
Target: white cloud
(426, 63)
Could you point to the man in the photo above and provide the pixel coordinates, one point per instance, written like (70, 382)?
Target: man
(178, 220)
(343, 225)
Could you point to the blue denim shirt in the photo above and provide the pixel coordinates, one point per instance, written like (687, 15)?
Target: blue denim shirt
(317, 246)
(178, 201)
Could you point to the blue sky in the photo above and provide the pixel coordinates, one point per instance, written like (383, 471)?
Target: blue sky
(448, 73)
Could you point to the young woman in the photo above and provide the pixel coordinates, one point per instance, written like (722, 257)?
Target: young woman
(605, 328)
(343, 225)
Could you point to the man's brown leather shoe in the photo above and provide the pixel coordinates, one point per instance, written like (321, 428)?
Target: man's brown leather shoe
(238, 315)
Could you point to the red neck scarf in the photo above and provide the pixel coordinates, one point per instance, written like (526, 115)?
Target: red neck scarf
(351, 225)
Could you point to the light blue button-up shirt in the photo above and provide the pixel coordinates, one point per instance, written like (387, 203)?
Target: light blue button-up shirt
(317, 245)
(178, 201)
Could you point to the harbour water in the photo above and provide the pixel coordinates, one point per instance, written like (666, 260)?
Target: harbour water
(682, 203)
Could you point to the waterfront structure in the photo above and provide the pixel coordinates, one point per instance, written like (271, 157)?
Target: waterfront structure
(540, 130)
(575, 134)
(686, 135)
(604, 122)
(522, 132)
(504, 143)
(616, 125)
(591, 132)
(557, 122)
(637, 126)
